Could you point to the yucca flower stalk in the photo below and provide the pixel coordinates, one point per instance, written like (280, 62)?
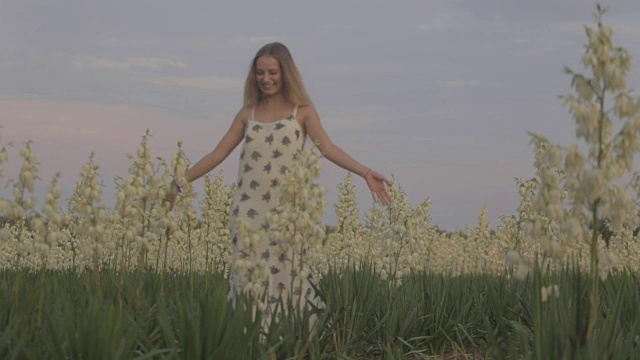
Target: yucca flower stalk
(401, 233)
(512, 232)
(25, 185)
(480, 239)
(487, 251)
(347, 212)
(188, 223)
(137, 198)
(21, 209)
(4, 156)
(593, 178)
(70, 244)
(90, 226)
(5, 203)
(374, 225)
(548, 210)
(186, 217)
(252, 271)
(214, 210)
(344, 246)
(48, 233)
(296, 225)
(162, 222)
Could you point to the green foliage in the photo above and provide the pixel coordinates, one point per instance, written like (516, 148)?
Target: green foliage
(528, 325)
(139, 315)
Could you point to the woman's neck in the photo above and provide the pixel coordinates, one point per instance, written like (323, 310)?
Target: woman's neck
(274, 101)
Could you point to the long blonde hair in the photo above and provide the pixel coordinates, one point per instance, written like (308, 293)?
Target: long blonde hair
(292, 86)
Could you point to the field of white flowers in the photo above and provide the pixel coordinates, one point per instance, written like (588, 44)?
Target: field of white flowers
(575, 226)
(145, 231)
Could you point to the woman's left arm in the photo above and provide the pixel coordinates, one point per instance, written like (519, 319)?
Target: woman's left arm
(375, 180)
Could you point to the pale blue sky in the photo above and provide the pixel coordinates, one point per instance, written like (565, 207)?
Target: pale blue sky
(438, 93)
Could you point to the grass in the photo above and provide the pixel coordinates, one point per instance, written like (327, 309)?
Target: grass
(148, 315)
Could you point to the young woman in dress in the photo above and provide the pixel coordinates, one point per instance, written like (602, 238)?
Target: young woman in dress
(276, 118)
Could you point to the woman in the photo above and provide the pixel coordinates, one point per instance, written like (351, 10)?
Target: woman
(276, 118)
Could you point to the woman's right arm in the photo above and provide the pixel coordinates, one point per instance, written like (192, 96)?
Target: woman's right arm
(229, 141)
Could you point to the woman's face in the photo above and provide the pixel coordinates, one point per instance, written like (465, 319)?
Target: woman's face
(268, 75)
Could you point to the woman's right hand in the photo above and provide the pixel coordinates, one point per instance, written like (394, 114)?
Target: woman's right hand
(376, 183)
(171, 196)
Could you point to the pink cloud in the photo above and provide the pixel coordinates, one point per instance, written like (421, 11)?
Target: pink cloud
(65, 133)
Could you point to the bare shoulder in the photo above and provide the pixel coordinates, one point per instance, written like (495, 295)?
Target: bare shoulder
(307, 112)
(243, 114)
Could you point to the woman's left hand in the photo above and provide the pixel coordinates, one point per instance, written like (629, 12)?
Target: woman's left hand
(376, 183)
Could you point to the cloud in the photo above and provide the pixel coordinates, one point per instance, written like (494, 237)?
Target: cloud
(344, 121)
(339, 26)
(216, 42)
(415, 149)
(65, 133)
(152, 63)
(440, 113)
(206, 83)
(577, 28)
(546, 11)
(77, 121)
(626, 32)
(574, 27)
(448, 20)
(251, 40)
(458, 83)
(367, 68)
(155, 62)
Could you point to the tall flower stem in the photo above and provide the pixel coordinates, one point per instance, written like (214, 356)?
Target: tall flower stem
(594, 295)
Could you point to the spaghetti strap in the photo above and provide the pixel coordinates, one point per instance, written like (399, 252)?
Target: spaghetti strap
(253, 109)
(295, 111)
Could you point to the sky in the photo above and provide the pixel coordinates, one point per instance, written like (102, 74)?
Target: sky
(439, 94)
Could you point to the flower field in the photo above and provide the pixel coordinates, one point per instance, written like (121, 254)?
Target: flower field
(558, 279)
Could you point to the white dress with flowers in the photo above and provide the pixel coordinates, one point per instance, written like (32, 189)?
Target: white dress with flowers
(267, 153)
